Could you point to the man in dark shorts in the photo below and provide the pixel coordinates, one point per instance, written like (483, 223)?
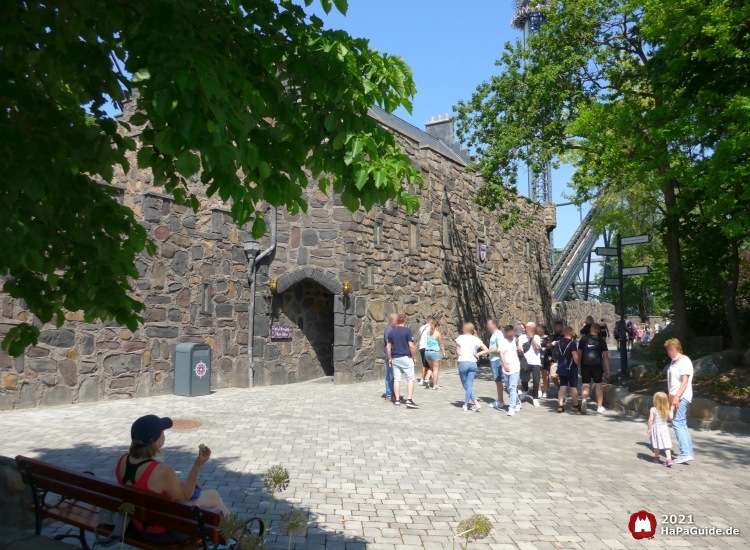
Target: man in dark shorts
(565, 353)
(594, 359)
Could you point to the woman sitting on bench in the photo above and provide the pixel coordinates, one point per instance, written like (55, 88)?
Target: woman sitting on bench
(138, 469)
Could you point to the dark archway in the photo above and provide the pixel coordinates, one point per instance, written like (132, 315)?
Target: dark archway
(343, 316)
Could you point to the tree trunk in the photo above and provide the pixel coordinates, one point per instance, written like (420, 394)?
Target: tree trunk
(729, 291)
(643, 303)
(674, 262)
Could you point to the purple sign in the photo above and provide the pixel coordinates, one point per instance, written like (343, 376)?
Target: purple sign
(279, 332)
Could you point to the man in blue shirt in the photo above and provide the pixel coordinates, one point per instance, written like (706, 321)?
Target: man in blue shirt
(388, 369)
(401, 356)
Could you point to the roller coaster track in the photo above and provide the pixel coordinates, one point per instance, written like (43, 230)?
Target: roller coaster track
(573, 256)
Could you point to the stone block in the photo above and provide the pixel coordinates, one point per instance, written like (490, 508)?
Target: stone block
(702, 409)
(343, 353)
(59, 395)
(155, 315)
(309, 237)
(238, 255)
(629, 401)
(174, 315)
(126, 382)
(42, 365)
(88, 367)
(162, 332)
(27, 397)
(360, 306)
(377, 310)
(643, 405)
(69, 372)
(122, 363)
(179, 262)
(302, 256)
(637, 371)
(705, 366)
(725, 413)
(31, 352)
(343, 336)
(60, 338)
(180, 240)
(168, 250)
(224, 310)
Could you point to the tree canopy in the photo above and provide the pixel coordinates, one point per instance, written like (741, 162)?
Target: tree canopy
(254, 95)
(648, 100)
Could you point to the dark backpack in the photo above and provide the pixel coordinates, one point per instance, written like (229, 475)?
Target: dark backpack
(591, 353)
(563, 363)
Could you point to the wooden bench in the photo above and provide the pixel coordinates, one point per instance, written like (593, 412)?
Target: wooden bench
(79, 497)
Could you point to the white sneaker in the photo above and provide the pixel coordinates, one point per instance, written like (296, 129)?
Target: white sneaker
(682, 459)
(494, 405)
(421, 382)
(539, 393)
(511, 412)
(500, 405)
(477, 406)
(536, 403)
(601, 409)
(465, 407)
(544, 395)
(518, 407)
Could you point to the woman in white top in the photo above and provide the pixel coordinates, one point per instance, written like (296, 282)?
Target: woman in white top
(680, 385)
(467, 346)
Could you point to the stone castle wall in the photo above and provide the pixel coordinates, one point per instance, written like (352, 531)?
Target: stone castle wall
(196, 290)
(574, 314)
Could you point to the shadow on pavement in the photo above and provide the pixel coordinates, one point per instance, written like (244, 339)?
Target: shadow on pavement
(242, 492)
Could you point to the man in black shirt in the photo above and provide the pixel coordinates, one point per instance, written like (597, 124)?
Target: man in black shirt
(593, 358)
(565, 352)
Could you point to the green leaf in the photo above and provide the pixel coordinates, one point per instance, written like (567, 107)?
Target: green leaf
(188, 164)
(326, 4)
(342, 6)
(362, 177)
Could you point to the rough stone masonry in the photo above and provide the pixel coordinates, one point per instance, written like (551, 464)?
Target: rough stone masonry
(450, 259)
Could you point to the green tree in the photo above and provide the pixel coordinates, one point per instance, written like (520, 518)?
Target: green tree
(644, 97)
(255, 95)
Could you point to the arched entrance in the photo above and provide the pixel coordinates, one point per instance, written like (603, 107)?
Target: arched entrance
(313, 303)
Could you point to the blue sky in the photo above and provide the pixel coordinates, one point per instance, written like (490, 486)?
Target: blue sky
(451, 47)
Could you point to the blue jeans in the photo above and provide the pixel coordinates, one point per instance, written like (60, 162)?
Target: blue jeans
(388, 379)
(511, 383)
(467, 370)
(497, 369)
(681, 428)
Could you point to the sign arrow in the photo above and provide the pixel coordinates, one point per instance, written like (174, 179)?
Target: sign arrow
(605, 251)
(639, 239)
(642, 270)
(611, 282)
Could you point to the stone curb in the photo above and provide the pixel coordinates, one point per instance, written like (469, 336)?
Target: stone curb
(704, 414)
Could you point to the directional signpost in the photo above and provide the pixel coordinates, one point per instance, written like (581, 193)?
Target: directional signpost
(623, 272)
(643, 270)
(605, 251)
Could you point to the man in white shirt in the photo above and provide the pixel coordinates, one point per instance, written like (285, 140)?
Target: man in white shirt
(530, 345)
(680, 384)
(424, 332)
(511, 368)
(496, 341)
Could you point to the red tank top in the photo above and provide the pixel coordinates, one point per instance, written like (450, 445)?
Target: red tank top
(142, 484)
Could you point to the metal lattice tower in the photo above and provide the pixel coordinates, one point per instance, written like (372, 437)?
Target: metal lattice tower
(529, 19)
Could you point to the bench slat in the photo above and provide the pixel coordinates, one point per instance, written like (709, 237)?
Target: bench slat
(138, 498)
(86, 517)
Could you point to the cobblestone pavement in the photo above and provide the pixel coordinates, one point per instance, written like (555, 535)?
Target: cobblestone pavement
(374, 476)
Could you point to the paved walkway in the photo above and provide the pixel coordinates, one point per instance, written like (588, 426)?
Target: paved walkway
(374, 476)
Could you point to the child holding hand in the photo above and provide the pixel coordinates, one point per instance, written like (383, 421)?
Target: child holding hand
(658, 430)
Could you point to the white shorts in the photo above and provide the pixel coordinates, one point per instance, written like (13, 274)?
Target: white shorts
(405, 366)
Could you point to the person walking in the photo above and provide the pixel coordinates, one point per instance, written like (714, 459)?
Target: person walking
(402, 357)
(545, 338)
(511, 368)
(565, 353)
(658, 430)
(680, 384)
(593, 357)
(434, 351)
(631, 334)
(426, 369)
(467, 347)
(531, 346)
(388, 369)
(586, 328)
(496, 343)
(603, 329)
(557, 335)
(646, 333)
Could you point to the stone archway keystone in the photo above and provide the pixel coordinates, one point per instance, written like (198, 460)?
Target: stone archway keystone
(325, 280)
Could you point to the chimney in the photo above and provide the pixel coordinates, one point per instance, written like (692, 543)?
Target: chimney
(443, 129)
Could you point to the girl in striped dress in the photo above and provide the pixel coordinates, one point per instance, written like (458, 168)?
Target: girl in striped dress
(658, 430)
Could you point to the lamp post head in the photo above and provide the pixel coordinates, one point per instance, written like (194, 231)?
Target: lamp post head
(347, 287)
(272, 284)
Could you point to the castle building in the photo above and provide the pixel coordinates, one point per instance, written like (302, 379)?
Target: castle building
(324, 284)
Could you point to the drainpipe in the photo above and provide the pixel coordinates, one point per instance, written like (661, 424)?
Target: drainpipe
(254, 256)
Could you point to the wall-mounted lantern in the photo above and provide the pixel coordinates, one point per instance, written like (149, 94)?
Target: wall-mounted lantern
(347, 287)
(272, 285)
